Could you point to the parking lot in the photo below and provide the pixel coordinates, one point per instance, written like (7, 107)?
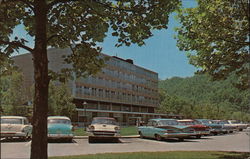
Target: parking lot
(232, 142)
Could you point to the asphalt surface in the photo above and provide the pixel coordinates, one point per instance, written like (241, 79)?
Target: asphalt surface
(239, 142)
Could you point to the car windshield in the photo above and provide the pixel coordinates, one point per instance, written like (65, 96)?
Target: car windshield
(167, 122)
(234, 122)
(11, 121)
(59, 121)
(205, 121)
(223, 122)
(104, 121)
(187, 122)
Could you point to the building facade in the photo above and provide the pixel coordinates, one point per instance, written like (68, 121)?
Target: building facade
(121, 89)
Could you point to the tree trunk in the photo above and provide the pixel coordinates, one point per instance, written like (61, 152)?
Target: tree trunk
(39, 143)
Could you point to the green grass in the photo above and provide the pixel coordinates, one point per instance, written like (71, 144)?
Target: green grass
(125, 131)
(131, 130)
(163, 155)
(79, 132)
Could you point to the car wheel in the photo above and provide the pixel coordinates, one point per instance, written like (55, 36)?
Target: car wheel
(158, 137)
(198, 136)
(91, 140)
(69, 140)
(181, 139)
(141, 136)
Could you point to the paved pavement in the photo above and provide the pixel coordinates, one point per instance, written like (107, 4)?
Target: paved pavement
(234, 142)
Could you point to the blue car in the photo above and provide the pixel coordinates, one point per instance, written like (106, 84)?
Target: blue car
(59, 127)
(215, 127)
(165, 128)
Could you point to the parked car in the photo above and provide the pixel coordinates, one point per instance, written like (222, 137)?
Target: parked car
(215, 128)
(227, 127)
(199, 128)
(165, 128)
(15, 126)
(103, 128)
(59, 127)
(239, 126)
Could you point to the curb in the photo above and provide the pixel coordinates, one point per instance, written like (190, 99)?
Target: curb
(86, 137)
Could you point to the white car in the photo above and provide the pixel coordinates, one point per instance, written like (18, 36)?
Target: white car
(239, 126)
(103, 128)
(15, 126)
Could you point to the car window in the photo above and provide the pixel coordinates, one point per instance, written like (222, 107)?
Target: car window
(26, 121)
(168, 122)
(11, 121)
(104, 121)
(59, 121)
(150, 123)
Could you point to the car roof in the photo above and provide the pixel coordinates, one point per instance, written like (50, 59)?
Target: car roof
(16, 117)
(186, 120)
(58, 117)
(103, 118)
(160, 119)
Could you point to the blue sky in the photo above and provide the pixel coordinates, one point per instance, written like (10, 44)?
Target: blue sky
(160, 54)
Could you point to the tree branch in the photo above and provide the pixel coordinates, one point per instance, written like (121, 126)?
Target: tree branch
(16, 43)
(50, 5)
(30, 4)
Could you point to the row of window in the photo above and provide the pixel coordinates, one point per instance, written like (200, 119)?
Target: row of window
(118, 108)
(129, 77)
(130, 67)
(124, 97)
(119, 85)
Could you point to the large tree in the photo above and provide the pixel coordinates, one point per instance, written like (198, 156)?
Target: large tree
(78, 24)
(216, 34)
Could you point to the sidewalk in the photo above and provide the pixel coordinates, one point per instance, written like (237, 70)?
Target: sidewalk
(86, 137)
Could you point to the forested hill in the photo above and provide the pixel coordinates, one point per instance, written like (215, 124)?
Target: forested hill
(200, 93)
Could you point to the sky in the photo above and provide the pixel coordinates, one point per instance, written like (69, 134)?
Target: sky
(160, 54)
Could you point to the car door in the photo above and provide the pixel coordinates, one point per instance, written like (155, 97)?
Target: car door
(152, 129)
(146, 129)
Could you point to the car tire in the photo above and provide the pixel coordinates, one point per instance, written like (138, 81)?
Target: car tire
(91, 139)
(198, 136)
(181, 139)
(141, 136)
(158, 137)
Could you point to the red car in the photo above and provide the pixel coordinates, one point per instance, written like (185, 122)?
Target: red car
(201, 130)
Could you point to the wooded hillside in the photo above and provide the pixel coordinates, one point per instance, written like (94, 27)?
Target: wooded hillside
(199, 97)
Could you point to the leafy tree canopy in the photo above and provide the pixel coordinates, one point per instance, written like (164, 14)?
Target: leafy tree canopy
(216, 34)
(60, 100)
(81, 24)
(78, 24)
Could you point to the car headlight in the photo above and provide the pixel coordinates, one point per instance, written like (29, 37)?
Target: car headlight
(117, 128)
(91, 128)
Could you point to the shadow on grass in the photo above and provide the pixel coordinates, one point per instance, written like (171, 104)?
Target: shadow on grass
(234, 155)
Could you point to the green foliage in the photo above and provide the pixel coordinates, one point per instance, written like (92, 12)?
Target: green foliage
(60, 100)
(199, 97)
(216, 35)
(13, 95)
(80, 25)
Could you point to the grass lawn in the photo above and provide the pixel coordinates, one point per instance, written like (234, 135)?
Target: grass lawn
(131, 130)
(163, 155)
(79, 132)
